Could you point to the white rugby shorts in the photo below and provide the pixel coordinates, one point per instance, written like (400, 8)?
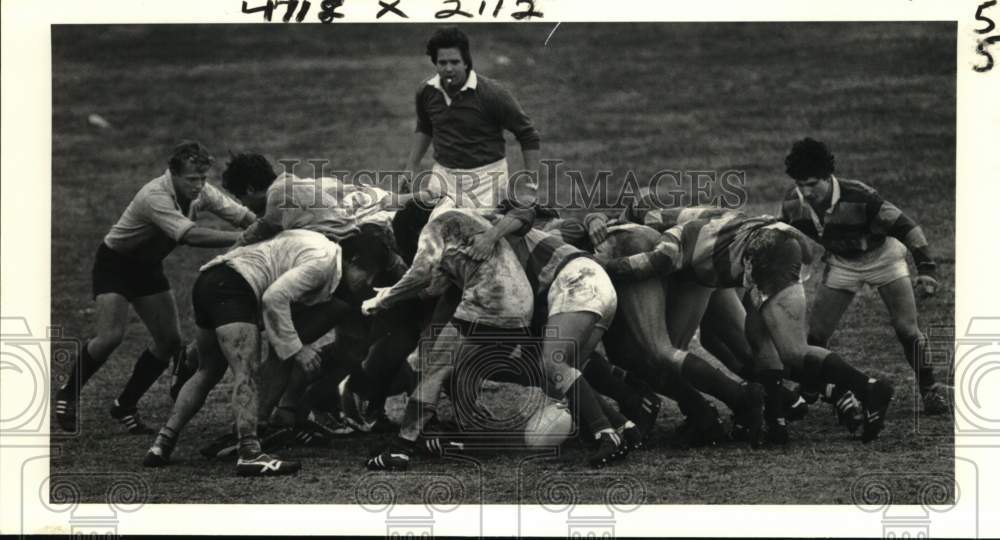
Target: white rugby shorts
(876, 268)
(582, 285)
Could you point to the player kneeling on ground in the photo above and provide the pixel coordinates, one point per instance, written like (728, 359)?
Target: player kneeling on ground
(235, 291)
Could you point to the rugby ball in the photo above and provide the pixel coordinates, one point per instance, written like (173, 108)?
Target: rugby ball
(550, 426)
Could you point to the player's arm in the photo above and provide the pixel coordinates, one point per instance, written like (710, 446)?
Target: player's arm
(421, 274)
(290, 287)
(522, 187)
(892, 221)
(229, 210)
(162, 212)
(209, 238)
(269, 224)
(663, 259)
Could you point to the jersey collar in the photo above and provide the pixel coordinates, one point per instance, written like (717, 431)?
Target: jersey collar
(471, 83)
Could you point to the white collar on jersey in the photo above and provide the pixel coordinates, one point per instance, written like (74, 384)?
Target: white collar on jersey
(471, 83)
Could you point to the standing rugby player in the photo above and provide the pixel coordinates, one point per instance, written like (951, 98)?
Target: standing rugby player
(866, 240)
(464, 115)
(128, 270)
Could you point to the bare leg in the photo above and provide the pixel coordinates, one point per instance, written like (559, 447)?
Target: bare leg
(898, 298)
(827, 309)
(211, 368)
(240, 344)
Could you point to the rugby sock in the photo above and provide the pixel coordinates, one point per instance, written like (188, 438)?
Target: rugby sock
(612, 414)
(81, 372)
(249, 447)
(402, 445)
(690, 401)
(166, 439)
(833, 368)
(583, 403)
(774, 398)
(916, 356)
(712, 381)
(598, 373)
(147, 369)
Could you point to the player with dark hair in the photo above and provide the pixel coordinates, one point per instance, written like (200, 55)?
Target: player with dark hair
(496, 295)
(237, 290)
(866, 239)
(764, 256)
(465, 114)
(128, 270)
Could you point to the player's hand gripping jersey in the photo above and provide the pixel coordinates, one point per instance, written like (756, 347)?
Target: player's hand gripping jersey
(494, 291)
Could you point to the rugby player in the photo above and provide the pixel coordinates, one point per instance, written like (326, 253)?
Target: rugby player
(465, 114)
(764, 256)
(496, 296)
(236, 290)
(866, 239)
(337, 210)
(128, 270)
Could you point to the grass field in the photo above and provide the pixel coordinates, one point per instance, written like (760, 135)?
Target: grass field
(615, 97)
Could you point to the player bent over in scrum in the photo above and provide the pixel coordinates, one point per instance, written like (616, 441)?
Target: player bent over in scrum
(496, 295)
(128, 270)
(766, 257)
(662, 334)
(235, 291)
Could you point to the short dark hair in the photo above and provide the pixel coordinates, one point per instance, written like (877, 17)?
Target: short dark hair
(449, 37)
(246, 170)
(406, 227)
(809, 158)
(369, 247)
(189, 152)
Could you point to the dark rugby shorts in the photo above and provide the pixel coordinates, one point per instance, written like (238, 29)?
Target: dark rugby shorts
(130, 277)
(221, 296)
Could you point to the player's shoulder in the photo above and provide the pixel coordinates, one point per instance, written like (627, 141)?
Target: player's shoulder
(157, 192)
(791, 195)
(310, 239)
(490, 87)
(855, 189)
(425, 86)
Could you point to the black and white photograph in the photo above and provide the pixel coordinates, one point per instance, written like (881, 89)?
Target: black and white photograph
(491, 258)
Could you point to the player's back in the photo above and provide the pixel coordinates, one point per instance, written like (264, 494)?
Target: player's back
(261, 264)
(495, 291)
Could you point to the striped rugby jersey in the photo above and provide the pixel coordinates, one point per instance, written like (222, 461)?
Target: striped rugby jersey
(856, 222)
(709, 251)
(494, 292)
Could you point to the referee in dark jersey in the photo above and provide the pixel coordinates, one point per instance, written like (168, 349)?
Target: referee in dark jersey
(465, 114)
